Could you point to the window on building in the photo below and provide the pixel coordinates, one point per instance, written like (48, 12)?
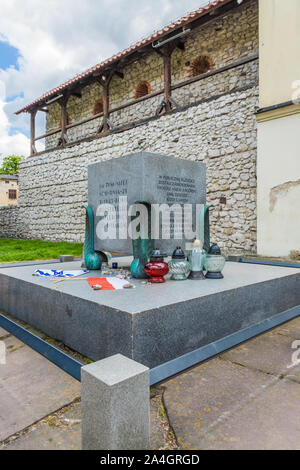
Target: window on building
(98, 108)
(143, 89)
(201, 65)
(12, 194)
(6, 182)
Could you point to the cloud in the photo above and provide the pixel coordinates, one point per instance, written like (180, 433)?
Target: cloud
(9, 144)
(58, 39)
(12, 142)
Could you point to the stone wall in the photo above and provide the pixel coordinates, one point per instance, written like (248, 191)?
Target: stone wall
(215, 123)
(219, 132)
(226, 39)
(242, 76)
(9, 222)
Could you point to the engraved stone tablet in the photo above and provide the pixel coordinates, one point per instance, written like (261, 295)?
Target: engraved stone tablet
(146, 178)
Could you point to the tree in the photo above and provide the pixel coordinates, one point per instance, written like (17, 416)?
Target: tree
(11, 165)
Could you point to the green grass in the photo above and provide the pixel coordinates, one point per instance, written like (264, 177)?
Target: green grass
(33, 250)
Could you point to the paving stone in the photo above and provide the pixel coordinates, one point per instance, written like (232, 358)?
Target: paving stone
(64, 432)
(196, 399)
(269, 421)
(31, 387)
(239, 405)
(291, 329)
(271, 353)
(3, 332)
(220, 405)
(47, 382)
(217, 405)
(157, 439)
(12, 344)
(61, 433)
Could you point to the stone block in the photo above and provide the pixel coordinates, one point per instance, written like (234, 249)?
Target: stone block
(115, 405)
(66, 258)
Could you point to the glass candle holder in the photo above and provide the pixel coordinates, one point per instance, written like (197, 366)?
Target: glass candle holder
(156, 269)
(179, 266)
(197, 258)
(214, 263)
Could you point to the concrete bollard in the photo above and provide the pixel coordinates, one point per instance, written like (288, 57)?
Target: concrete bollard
(115, 405)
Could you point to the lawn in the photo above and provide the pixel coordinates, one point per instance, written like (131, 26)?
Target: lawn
(33, 250)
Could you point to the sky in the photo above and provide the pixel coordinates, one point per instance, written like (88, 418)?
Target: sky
(43, 44)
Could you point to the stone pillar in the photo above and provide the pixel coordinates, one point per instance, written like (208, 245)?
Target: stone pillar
(115, 401)
(32, 132)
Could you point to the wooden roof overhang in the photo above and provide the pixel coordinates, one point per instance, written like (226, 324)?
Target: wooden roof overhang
(115, 64)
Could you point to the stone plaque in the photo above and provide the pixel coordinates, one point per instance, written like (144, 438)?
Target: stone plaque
(115, 185)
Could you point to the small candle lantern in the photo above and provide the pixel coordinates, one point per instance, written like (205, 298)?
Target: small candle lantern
(179, 266)
(156, 269)
(197, 258)
(214, 263)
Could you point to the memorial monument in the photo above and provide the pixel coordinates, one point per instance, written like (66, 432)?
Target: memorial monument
(151, 324)
(161, 197)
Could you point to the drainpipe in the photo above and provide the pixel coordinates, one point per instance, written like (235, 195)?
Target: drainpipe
(166, 41)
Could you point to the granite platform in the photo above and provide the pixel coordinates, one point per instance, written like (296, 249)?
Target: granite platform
(150, 324)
